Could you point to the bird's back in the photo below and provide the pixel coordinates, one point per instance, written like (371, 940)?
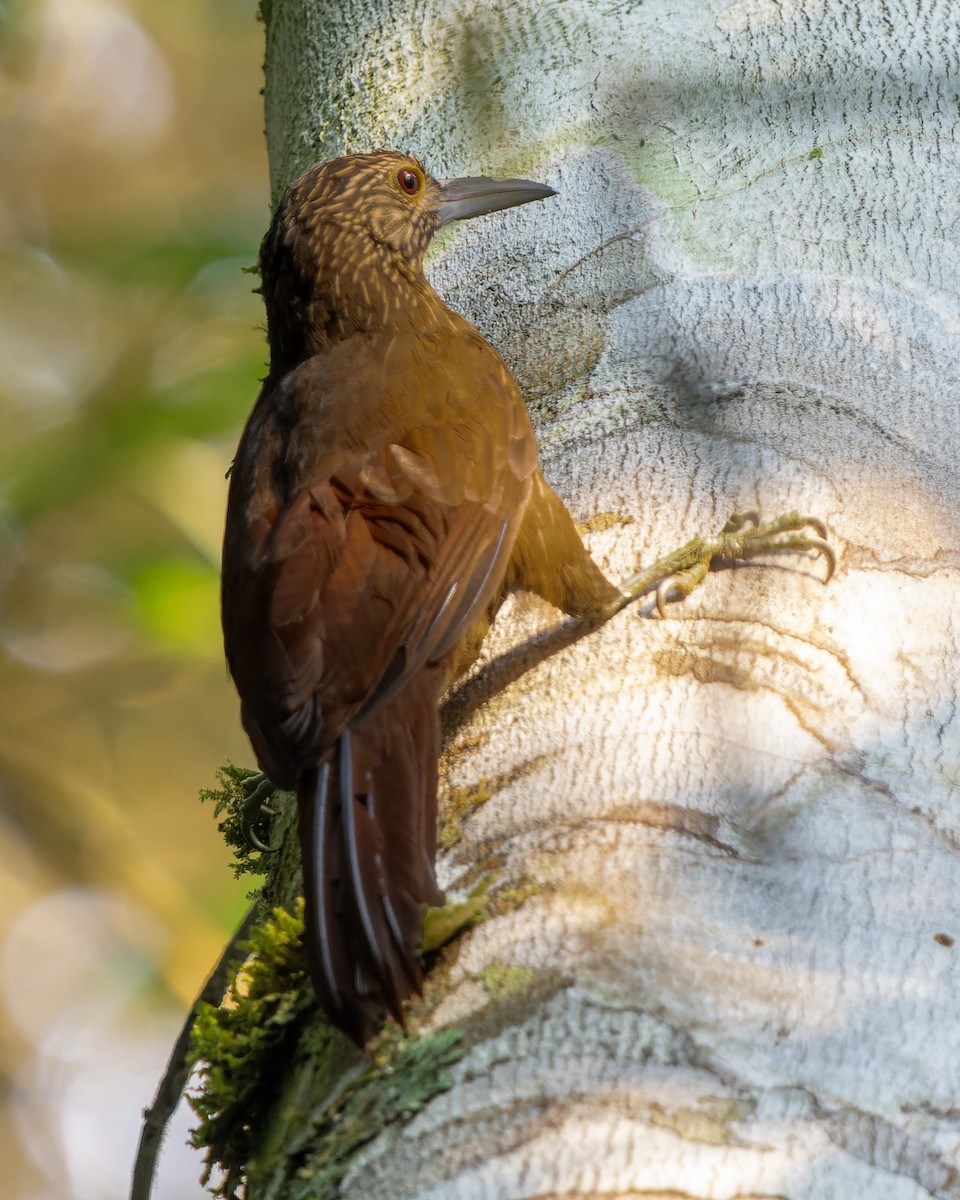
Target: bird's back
(367, 478)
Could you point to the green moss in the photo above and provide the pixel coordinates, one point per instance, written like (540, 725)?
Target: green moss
(228, 801)
(399, 1084)
(441, 924)
(502, 982)
(515, 995)
(816, 152)
(457, 804)
(242, 1045)
(508, 899)
(284, 1099)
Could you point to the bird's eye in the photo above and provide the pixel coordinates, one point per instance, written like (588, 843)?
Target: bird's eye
(409, 181)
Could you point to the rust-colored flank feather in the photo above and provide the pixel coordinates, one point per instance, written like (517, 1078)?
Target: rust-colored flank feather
(384, 498)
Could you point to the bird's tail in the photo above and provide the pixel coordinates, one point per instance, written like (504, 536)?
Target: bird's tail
(368, 817)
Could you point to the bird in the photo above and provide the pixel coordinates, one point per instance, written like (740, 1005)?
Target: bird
(385, 497)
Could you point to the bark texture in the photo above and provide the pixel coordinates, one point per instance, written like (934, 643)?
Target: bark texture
(722, 962)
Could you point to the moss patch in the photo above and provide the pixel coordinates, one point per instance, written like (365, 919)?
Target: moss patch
(460, 802)
(242, 1045)
(509, 899)
(284, 1099)
(456, 803)
(405, 1076)
(228, 805)
(501, 981)
(442, 924)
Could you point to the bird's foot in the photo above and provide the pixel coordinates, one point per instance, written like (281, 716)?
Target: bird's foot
(257, 791)
(741, 538)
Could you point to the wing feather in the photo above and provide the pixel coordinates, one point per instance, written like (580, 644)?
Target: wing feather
(371, 519)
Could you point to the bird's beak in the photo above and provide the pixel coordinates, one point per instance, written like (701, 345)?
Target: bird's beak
(462, 198)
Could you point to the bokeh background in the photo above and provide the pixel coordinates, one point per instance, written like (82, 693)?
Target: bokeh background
(133, 192)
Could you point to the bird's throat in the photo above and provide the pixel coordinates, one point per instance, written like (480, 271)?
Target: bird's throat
(346, 284)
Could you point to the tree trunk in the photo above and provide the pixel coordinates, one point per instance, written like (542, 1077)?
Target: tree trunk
(719, 954)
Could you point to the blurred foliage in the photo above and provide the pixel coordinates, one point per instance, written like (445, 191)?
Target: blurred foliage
(132, 198)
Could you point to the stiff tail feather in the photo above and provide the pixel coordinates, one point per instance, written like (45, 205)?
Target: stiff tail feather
(367, 817)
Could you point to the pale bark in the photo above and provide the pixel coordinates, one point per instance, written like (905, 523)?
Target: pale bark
(739, 828)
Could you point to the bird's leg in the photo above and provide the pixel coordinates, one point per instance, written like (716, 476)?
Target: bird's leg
(257, 791)
(741, 538)
(551, 560)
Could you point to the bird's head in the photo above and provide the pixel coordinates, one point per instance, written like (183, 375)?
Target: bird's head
(361, 214)
(393, 200)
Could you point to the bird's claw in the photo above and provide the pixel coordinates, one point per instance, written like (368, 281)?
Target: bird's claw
(787, 532)
(257, 791)
(742, 537)
(681, 581)
(737, 521)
